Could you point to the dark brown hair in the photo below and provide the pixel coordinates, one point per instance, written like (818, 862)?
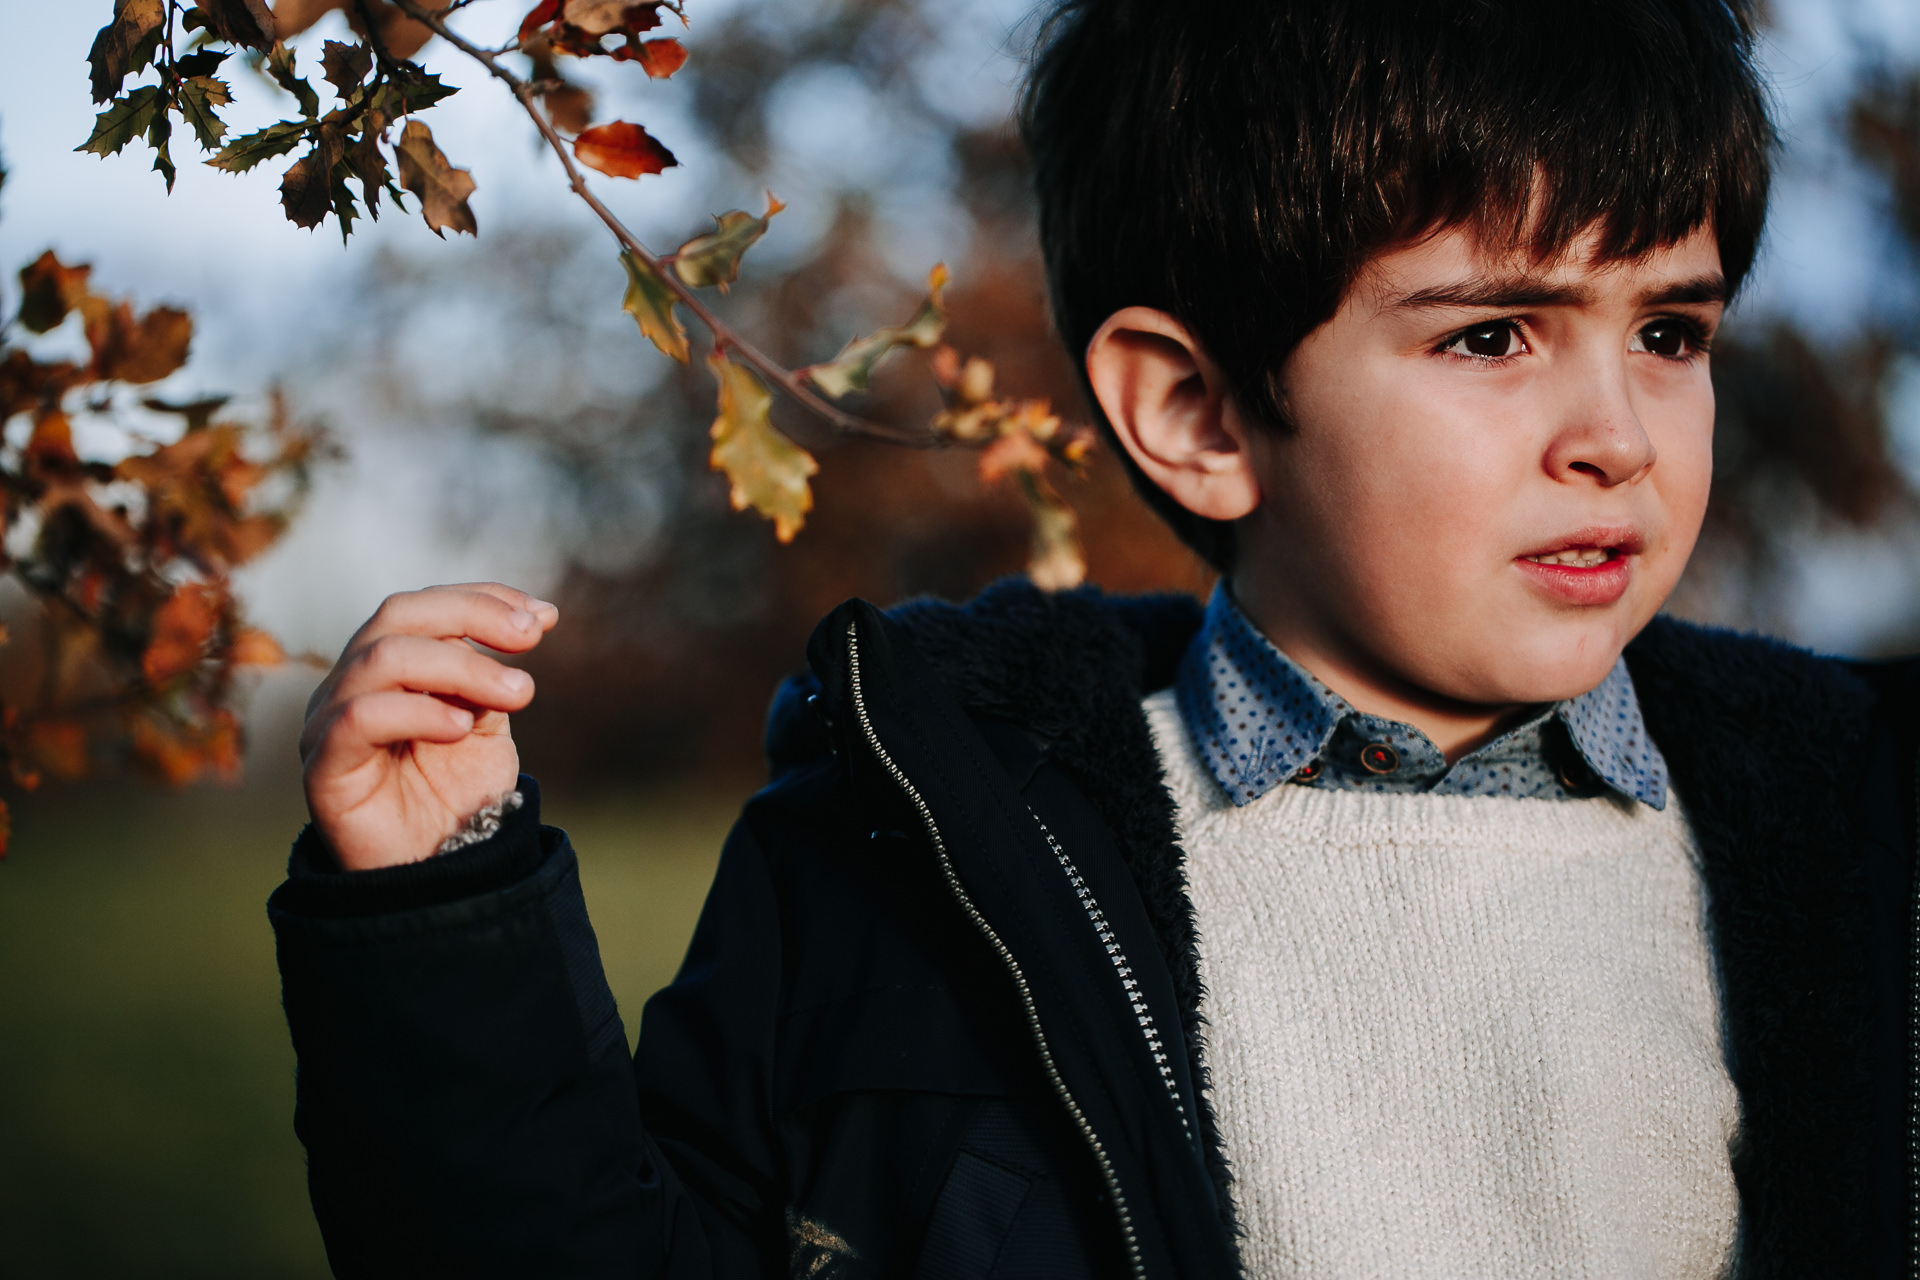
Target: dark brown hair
(1237, 163)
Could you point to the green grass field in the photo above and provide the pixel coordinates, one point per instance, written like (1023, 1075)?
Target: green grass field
(146, 1080)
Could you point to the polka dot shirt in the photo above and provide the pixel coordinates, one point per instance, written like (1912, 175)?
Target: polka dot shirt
(1261, 720)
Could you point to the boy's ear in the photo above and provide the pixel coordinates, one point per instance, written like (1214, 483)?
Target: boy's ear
(1169, 405)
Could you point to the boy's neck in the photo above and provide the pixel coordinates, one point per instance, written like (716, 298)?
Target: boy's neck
(1454, 727)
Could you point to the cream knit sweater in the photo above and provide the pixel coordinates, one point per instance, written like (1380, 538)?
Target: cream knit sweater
(1456, 1037)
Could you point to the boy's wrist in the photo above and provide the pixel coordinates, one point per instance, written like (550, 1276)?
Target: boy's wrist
(318, 885)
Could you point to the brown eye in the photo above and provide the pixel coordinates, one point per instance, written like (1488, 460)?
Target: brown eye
(1664, 338)
(1488, 342)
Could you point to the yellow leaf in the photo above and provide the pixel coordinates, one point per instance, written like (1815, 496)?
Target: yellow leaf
(650, 303)
(767, 471)
(1054, 562)
(852, 370)
(714, 258)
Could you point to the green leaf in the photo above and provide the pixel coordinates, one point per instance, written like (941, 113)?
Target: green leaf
(198, 97)
(242, 154)
(714, 258)
(203, 63)
(280, 67)
(852, 369)
(344, 207)
(125, 120)
(650, 303)
(416, 92)
(157, 135)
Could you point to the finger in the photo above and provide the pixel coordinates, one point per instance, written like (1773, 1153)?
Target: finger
(365, 726)
(449, 668)
(461, 613)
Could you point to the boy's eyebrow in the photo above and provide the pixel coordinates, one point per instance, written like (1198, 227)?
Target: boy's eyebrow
(1517, 293)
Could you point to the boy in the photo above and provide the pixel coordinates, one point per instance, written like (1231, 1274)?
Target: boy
(1382, 921)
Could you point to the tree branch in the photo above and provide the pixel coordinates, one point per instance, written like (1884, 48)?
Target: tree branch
(724, 336)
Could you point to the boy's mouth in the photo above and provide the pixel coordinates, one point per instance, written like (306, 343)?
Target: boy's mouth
(1589, 567)
(1575, 557)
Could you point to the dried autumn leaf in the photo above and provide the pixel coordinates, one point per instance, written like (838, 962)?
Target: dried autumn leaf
(345, 65)
(661, 58)
(255, 648)
(247, 23)
(280, 60)
(291, 17)
(116, 50)
(598, 17)
(622, 150)
(182, 628)
(852, 370)
(59, 747)
(306, 192)
(50, 447)
(766, 471)
(714, 258)
(650, 303)
(49, 290)
(181, 753)
(441, 188)
(145, 350)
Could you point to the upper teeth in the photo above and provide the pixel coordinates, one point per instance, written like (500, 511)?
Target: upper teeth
(1580, 556)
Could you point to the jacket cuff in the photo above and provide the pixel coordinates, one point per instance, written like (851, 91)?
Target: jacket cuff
(317, 887)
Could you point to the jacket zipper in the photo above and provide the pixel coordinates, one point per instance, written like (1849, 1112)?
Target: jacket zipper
(1110, 942)
(1127, 1234)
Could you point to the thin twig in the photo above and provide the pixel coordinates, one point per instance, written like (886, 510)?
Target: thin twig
(723, 335)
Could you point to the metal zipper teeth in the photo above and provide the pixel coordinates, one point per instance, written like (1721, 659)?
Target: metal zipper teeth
(1913, 1052)
(1107, 1174)
(1128, 983)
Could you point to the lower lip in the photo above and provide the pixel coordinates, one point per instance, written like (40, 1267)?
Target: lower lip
(1598, 584)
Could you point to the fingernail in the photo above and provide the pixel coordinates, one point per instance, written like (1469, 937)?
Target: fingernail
(517, 681)
(546, 604)
(524, 621)
(463, 718)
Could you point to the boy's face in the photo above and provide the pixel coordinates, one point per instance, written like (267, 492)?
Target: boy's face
(1498, 470)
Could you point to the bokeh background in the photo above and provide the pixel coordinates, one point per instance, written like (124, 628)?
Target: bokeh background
(498, 417)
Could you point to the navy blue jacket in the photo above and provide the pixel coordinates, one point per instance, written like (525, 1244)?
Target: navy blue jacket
(939, 1017)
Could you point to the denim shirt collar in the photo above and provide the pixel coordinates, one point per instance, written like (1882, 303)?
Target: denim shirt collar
(1260, 719)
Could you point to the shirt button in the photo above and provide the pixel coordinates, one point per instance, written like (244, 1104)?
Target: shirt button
(1576, 777)
(1308, 771)
(1378, 757)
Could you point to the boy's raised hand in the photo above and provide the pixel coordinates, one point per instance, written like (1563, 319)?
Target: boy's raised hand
(407, 736)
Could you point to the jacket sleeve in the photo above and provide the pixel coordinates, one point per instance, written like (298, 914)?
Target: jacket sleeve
(465, 1094)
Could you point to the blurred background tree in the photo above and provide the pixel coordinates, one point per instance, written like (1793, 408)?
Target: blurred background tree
(502, 418)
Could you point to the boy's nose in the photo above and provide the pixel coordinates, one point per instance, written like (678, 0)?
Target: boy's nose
(1601, 438)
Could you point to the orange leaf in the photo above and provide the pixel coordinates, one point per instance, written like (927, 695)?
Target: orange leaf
(540, 15)
(255, 648)
(181, 628)
(179, 754)
(1016, 451)
(661, 58)
(50, 290)
(148, 349)
(59, 747)
(622, 150)
(51, 444)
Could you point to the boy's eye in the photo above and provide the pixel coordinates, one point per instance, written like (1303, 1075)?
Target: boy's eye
(1492, 341)
(1669, 338)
